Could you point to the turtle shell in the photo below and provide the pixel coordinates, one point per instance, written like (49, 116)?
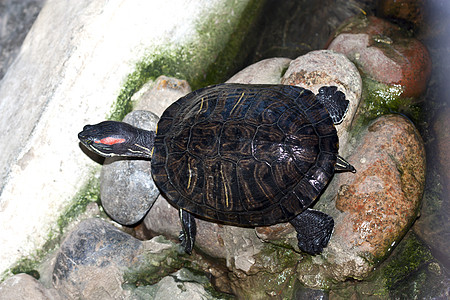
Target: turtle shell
(250, 155)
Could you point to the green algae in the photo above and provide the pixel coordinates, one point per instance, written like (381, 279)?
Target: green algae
(411, 253)
(409, 271)
(380, 99)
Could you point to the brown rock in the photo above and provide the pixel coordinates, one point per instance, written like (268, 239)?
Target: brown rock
(376, 205)
(382, 200)
(383, 52)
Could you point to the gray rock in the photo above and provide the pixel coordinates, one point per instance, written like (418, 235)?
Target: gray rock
(127, 189)
(23, 286)
(92, 259)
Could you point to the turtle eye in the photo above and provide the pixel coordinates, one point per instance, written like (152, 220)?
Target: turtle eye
(110, 141)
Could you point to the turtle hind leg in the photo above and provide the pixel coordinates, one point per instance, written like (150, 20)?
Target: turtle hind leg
(314, 230)
(334, 102)
(188, 232)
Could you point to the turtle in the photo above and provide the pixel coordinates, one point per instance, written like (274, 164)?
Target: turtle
(240, 154)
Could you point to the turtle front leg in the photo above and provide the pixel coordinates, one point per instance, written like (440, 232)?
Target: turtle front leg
(187, 235)
(314, 230)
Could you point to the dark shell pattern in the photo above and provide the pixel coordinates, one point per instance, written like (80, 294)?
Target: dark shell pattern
(249, 155)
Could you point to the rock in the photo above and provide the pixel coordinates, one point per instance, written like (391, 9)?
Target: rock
(96, 260)
(318, 68)
(92, 259)
(384, 53)
(267, 71)
(377, 205)
(382, 200)
(127, 190)
(23, 286)
(157, 96)
(79, 64)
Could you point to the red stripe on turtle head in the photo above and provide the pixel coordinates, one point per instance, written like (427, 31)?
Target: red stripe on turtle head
(110, 141)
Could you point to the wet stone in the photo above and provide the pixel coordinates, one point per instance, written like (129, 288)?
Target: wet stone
(384, 53)
(127, 189)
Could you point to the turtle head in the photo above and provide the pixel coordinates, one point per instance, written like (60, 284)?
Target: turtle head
(111, 138)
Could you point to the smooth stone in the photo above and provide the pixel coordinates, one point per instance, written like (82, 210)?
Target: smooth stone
(267, 71)
(384, 53)
(127, 190)
(327, 68)
(23, 286)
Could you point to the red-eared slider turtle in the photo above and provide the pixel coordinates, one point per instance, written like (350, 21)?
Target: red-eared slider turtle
(245, 155)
